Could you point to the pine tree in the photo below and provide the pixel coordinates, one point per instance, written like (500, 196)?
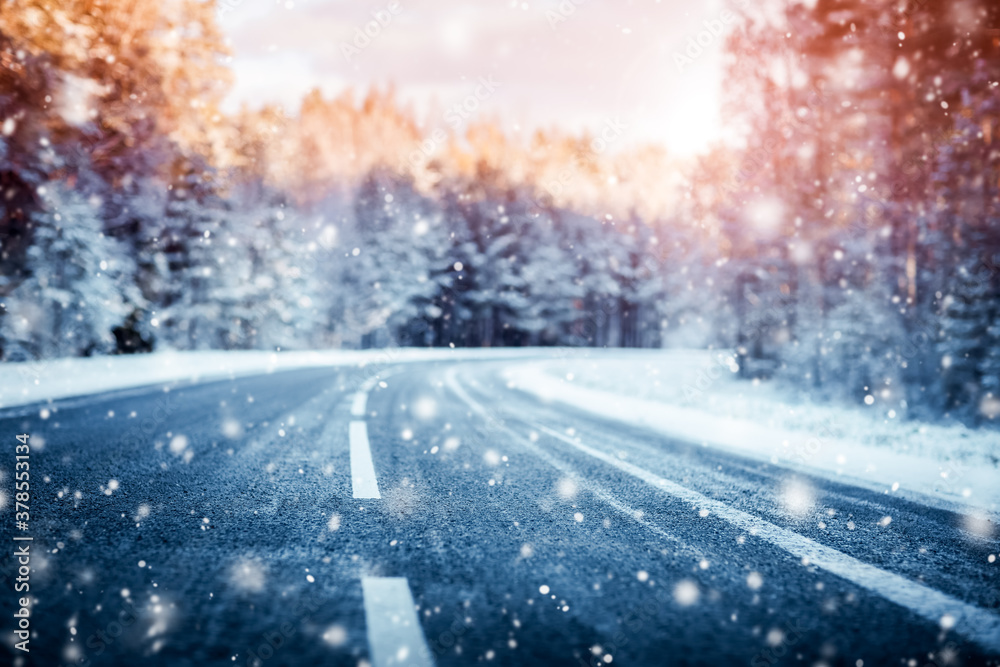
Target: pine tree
(966, 172)
(79, 286)
(192, 259)
(989, 369)
(289, 296)
(398, 247)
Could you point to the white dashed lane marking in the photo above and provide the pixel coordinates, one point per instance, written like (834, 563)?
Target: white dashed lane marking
(360, 404)
(363, 479)
(395, 638)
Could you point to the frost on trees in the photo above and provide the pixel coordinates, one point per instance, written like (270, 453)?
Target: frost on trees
(79, 283)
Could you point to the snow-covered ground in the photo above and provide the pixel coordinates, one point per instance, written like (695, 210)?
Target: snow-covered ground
(31, 382)
(681, 393)
(694, 396)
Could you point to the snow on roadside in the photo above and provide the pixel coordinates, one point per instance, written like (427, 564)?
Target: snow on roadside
(694, 396)
(31, 382)
(683, 394)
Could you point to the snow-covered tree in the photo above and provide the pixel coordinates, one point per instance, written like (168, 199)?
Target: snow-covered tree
(80, 283)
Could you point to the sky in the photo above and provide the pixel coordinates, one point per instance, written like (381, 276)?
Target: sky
(571, 65)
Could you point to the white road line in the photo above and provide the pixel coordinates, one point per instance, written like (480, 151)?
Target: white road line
(359, 402)
(394, 634)
(363, 479)
(359, 406)
(970, 621)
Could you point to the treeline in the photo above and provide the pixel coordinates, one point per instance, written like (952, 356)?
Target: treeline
(137, 216)
(862, 225)
(851, 247)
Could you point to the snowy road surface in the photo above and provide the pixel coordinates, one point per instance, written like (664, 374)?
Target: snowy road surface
(435, 515)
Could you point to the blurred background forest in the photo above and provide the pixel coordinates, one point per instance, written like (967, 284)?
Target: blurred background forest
(850, 246)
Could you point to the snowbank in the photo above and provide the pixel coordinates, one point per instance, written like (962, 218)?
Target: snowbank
(682, 394)
(31, 382)
(692, 395)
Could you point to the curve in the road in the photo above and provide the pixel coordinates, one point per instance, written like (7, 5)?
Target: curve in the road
(972, 622)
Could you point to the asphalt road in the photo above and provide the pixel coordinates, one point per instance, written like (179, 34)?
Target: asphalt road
(433, 515)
